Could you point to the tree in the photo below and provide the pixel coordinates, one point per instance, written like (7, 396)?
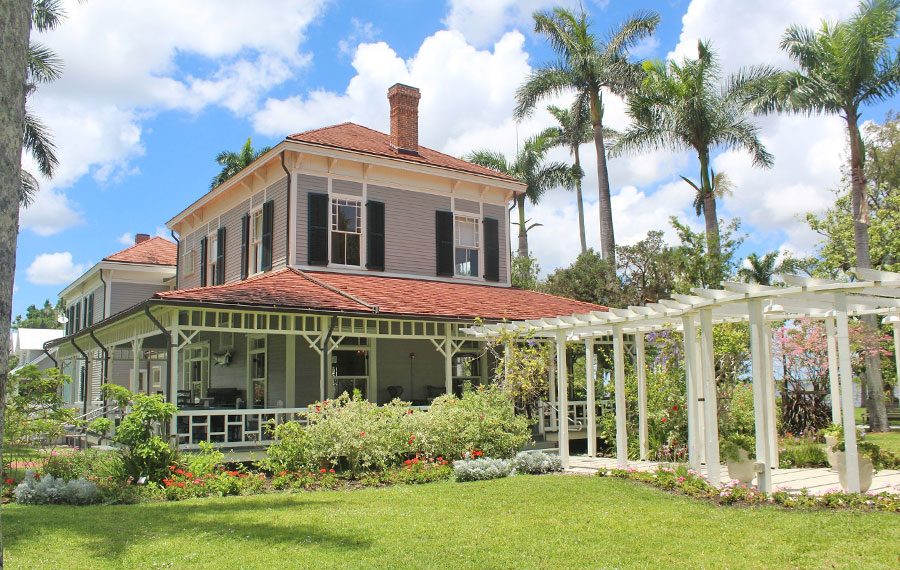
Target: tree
(697, 267)
(15, 29)
(587, 65)
(685, 107)
(760, 269)
(525, 272)
(529, 168)
(43, 318)
(590, 278)
(234, 162)
(843, 67)
(573, 131)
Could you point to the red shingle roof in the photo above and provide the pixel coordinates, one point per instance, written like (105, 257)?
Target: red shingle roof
(293, 289)
(154, 251)
(351, 136)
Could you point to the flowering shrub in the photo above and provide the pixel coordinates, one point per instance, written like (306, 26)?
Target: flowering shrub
(689, 482)
(481, 469)
(50, 490)
(182, 484)
(307, 480)
(291, 451)
(83, 464)
(536, 463)
(482, 419)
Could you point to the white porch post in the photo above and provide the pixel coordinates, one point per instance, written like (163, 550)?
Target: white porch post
(448, 360)
(710, 402)
(641, 368)
(136, 345)
(554, 423)
(770, 395)
(372, 394)
(619, 371)
(847, 409)
(695, 420)
(590, 384)
(834, 379)
(323, 360)
(562, 398)
(174, 344)
(758, 359)
(290, 375)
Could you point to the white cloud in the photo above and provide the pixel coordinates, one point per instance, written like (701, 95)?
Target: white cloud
(123, 64)
(54, 269)
(50, 213)
(126, 239)
(482, 22)
(362, 32)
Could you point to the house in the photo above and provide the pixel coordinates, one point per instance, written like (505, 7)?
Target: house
(27, 345)
(343, 259)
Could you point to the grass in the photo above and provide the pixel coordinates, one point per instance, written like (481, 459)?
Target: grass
(889, 441)
(519, 522)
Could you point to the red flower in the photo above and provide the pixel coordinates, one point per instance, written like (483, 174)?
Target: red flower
(664, 420)
(318, 409)
(171, 468)
(408, 461)
(189, 475)
(331, 470)
(408, 411)
(10, 481)
(477, 453)
(363, 434)
(179, 471)
(674, 408)
(323, 470)
(481, 416)
(180, 484)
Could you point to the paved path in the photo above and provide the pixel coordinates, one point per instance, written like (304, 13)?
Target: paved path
(816, 480)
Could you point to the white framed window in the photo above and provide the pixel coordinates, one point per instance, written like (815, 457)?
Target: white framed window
(467, 242)
(196, 370)
(256, 245)
(189, 266)
(141, 386)
(257, 371)
(156, 377)
(212, 248)
(346, 232)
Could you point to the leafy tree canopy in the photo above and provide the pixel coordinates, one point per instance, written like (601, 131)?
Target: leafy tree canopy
(43, 318)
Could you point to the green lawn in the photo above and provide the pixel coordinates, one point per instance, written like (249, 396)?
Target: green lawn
(520, 522)
(887, 441)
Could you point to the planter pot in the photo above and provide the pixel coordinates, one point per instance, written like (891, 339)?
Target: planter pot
(866, 470)
(741, 470)
(830, 442)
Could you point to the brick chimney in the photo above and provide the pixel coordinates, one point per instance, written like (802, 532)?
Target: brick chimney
(140, 238)
(404, 118)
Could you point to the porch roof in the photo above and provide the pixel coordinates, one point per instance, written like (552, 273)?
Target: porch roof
(370, 294)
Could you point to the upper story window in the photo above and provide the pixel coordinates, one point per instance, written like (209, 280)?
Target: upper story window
(189, 262)
(256, 241)
(466, 246)
(212, 257)
(346, 231)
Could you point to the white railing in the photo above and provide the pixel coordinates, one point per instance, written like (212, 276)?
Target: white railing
(232, 428)
(577, 415)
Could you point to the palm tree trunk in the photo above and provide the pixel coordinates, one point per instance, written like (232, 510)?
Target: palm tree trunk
(607, 236)
(15, 28)
(711, 220)
(874, 379)
(523, 232)
(580, 202)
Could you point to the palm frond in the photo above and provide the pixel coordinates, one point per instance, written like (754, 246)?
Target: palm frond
(43, 64)
(37, 141)
(548, 81)
(28, 188)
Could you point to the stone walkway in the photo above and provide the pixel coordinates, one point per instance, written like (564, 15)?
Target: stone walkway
(816, 480)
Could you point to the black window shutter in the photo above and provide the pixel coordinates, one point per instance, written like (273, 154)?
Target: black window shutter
(203, 254)
(77, 317)
(245, 246)
(444, 232)
(375, 235)
(89, 309)
(317, 229)
(220, 256)
(491, 250)
(268, 222)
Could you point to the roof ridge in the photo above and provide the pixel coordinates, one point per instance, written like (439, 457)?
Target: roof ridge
(132, 246)
(232, 284)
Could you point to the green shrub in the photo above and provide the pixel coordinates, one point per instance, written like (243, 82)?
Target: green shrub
(291, 451)
(182, 484)
(731, 446)
(481, 420)
(147, 454)
(740, 417)
(85, 464)
(803, 452)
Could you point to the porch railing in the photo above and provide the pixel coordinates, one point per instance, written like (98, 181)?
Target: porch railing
(577, 416)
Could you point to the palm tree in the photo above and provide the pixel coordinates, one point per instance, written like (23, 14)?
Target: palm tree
(760, 269)
(529, 168)
(587, 65)
(573, 131)
(721, 187)
(844, 66)
(234, 162)
(684, 107)
(43, 66)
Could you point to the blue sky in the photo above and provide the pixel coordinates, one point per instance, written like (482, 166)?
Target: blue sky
(150, 96)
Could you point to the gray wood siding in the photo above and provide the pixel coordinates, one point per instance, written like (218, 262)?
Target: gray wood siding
(99, 299)
(409, 241)
(306, 373)
(305, 185)
(466, 206)
(277, 192)
(188, 243)
(394, 368)
(499, 214)
(231, 220)
(125, 295)
(346, 187)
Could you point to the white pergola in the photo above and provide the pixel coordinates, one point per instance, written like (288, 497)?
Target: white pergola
(834, 302)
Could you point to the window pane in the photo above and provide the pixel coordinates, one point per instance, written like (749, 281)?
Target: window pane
(347, 218)
(352, 249)
(337, 247)
(466, 232)
(466, 261)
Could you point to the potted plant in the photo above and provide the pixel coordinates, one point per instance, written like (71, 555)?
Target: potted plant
(736, 449)
(833, 434)
(869, 455)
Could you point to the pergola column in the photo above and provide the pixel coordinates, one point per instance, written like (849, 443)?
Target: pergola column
(758, 362)
(833, 378)
(769, 393)
(895, 321)
(136, 345)
(590, 384)
(710, 402)
(640, 366)
(692, 376)
(619, 372)
(562, 385)
(847, 410)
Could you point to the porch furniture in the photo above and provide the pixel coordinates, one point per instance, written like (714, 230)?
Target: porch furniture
(395, 391)
(224, 397)
(183, 398)
(434, 391)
